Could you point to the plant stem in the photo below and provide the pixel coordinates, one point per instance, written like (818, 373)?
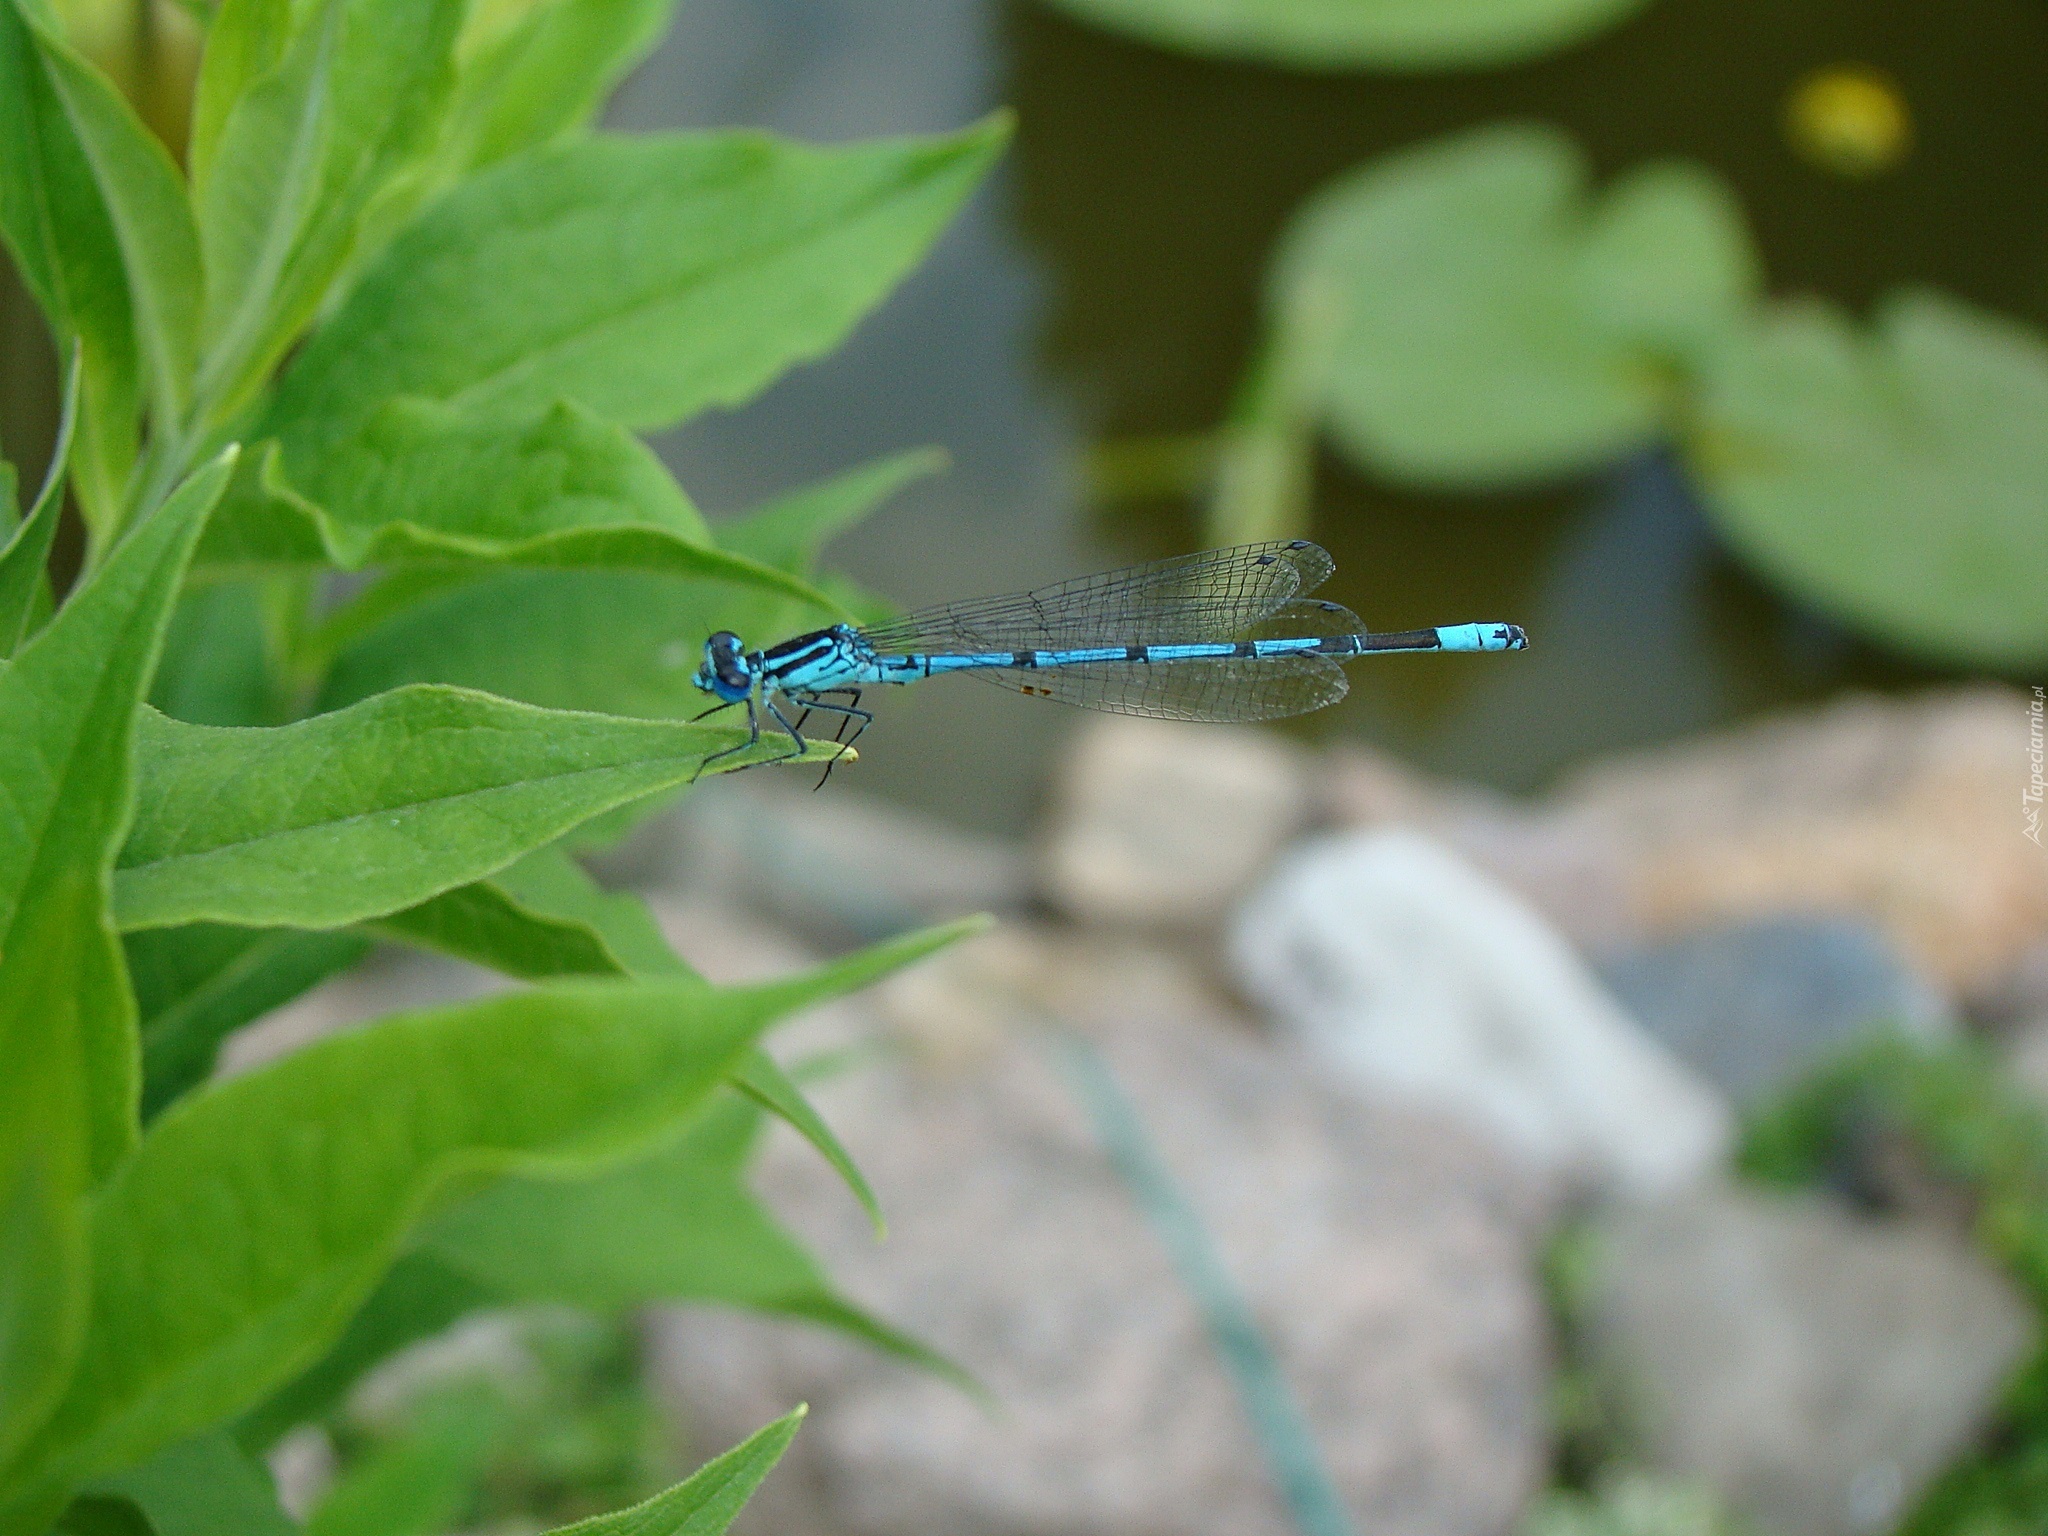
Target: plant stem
(1277, 1420)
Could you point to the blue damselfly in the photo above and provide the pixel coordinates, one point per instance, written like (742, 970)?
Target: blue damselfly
(1227, 635)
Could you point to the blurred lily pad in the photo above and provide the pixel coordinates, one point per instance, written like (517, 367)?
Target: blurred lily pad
(1473, 316)
(1361, 34)
(1898, 477)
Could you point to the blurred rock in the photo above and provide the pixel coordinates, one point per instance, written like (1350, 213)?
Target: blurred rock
(1360, 786)
(302, 1465)
(1901, 811)
(1572, 868)
(2019, 997)
(1905, 811)
(1421, 976)
(1385, 1253)
(838, 868)
(972, 1000)
(1812, 1368)
(1160, 824)
(2026, 1055)
(1755, 1006)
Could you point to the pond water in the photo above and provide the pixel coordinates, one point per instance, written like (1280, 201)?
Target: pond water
(1104, 287)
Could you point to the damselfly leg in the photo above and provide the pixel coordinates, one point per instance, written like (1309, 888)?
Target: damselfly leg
(753, 731)
(798, 745)
(848, 713)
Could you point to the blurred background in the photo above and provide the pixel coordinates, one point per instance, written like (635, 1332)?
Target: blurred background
(1593, 1092)
(1083, 336)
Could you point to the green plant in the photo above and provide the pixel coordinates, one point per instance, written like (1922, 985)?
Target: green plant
(400, 314)
(1951, 1112)
(1630, 1505)
(1361, 34)
(542, 1415)
(1466, 315)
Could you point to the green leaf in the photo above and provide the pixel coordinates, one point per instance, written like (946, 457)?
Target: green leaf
(679, 1226)
(356, 100)
(318, 1166)
(545, 917)
(381, 600)
(145, 202)
(377, 807)
(1667, 263)
(625, 643)
(1897, 478)
(545, 911)
(104, 1515)
(205, 1486)
(419, 1483)
(418, 1297)
(1481, 322)
(427, 484)
(269, 146)
(642, 278)
(447, 471)
(67, 1024)
(526, 75)
(551, 883)
(790, 531)
(231, 1247)
(1361, 34)
(769, 1086)
(24, 574)
(56, 226)
(622, 642)
(215, 668)
(706, 1504)
(422, 1295)
(542, 73)
(244, 41)
(196, 985)
(487, 925)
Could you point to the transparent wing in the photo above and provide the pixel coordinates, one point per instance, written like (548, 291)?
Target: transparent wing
(1218, 595)
(1313, 620)
(1225, 689)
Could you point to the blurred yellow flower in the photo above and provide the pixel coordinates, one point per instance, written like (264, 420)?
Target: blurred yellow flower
(1850, 120)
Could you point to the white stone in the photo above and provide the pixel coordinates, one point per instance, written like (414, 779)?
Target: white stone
(1422, 976)
(1162, 824)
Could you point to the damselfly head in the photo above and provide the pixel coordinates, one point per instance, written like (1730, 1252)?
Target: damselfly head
(725, 671)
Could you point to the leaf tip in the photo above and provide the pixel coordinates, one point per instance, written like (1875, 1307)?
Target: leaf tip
(966, 927)
(991, 134)
(931, 459)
